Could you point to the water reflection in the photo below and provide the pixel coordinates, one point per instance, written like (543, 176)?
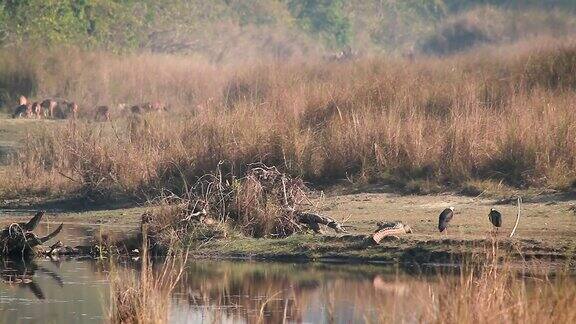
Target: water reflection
(20, 274)
(77, 291)
(278, 293)
(52, 291)
(221, 291)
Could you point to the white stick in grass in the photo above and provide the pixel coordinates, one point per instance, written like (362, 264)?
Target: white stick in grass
(517, 217)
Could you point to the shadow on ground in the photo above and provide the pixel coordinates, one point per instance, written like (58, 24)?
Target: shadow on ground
(69, 204)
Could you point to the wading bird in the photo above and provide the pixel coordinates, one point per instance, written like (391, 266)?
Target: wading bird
(495, 218)
(444, 218)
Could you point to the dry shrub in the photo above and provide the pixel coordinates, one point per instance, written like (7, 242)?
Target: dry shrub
(258, 204)
(261, 199)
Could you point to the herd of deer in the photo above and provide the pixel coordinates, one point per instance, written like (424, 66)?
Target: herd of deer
(103, 112)
(50, 108)
(46, 108)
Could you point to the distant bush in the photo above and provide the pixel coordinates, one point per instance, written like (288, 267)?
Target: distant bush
(489, 24)
(324, 17)
(230, 29)
(455, 37)
(17, 77)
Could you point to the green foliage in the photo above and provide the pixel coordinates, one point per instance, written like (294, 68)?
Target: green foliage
(214, 27)
(104, 23)
(112, 24)
(323, 17)
(44, 21)
(3, 22)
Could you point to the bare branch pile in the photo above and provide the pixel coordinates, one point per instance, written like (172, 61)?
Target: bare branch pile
(263, 203)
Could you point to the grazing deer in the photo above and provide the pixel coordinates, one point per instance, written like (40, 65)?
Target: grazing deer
(136, 109)
(49, 105)
(345, 55)
(37, 109)
(72, 110)
(102, 113)
(23, 109)
(22, 101)
(153, 106)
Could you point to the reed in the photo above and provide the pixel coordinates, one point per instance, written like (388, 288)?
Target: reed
(144, 296)
(506, 292)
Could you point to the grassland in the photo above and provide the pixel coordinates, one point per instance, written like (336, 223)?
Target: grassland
(502, 115)
(489, 125)
(545, 232)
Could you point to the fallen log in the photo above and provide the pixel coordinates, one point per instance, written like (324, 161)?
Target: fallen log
(314, 220)
(18, 238)
(389, 229)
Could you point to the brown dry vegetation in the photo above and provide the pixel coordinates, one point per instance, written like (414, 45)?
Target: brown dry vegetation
(502, 114)
(487, 288)
(497, 290)
(144, 297)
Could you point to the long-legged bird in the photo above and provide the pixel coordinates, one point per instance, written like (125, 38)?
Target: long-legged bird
(495, 218)
(444, 218)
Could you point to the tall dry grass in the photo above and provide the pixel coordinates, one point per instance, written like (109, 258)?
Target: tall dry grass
(502, 114)
(144, 296)
(498, 290)
(491, 290)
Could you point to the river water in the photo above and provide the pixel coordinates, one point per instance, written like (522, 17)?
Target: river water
(77, 291)
(69, 290)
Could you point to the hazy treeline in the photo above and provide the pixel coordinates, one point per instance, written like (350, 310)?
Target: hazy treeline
(223, 28)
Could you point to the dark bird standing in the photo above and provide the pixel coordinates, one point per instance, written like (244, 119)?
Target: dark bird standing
(495, 218)
(445, 218)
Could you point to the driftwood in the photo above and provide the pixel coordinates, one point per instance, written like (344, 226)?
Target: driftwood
(314, 220)
(391, 229)
(18, 238)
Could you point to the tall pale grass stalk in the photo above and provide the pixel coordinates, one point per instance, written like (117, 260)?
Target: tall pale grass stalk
(501, 291)
(145, 299)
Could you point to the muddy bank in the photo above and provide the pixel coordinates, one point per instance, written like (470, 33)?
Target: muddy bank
(308, 248)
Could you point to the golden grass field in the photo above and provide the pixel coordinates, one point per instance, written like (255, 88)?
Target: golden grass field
(467, 130)
(376, 138)
(498, 116)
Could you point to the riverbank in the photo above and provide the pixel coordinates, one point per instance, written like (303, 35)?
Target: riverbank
(545, 232)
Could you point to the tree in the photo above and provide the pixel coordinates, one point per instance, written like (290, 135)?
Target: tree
(323, 17)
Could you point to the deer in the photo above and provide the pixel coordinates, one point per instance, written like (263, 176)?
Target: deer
(49, 105)
(153, 106)
(22, 101)
(345, 55)
(102, 113)
(23, 109)
(136, 109)
(37, 109)
(71, 109)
